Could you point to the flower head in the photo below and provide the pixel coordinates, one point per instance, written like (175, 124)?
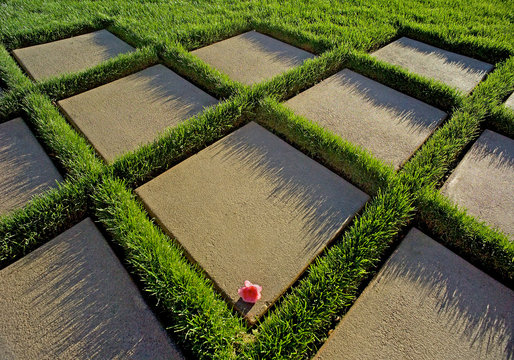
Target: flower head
(250, 293)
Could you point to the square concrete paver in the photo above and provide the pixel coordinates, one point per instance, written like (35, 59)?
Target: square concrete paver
(70, 55)
(252, 57)
(426, 303)
(455, 70)
(72, 299)
(390, 124)
(510, 102)
(483, 182)
(25, 168)
(119, 116)
(252, 207)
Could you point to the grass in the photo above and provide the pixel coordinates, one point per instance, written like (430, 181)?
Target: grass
(341, 34)
(197, 316)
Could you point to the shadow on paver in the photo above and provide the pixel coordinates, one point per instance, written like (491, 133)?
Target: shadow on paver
(473, 315)
(406, 110)
(309, 200)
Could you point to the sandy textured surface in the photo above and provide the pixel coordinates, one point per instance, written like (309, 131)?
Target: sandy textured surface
(72, 299)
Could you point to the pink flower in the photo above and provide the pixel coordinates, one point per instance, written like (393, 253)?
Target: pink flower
(250, 292)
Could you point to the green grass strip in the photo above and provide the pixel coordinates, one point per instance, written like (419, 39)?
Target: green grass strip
(501, 120)
(471, 239)
(476, 47)
(355, 164)
(197, 71)
(315, 70)
(72, 151)
(439, 154)
(427, 90)
(300, 323)
(183, 140)
(16, 83)
(45, 217)
(194, 312)
(51, 32)
(113, 69)
(293, 36)
(10, 73)
(312, 71)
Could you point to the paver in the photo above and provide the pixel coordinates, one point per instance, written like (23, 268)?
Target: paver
(483, 181)
(510, 102)
(118, 117)
(455, 70)
(251, 207)
(426, 303)
(25, 169)
(70, 55)
(72, 299)
(390, 124)
(252, 57)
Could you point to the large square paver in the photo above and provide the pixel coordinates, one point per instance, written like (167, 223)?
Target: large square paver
(426, 303)
(483, 182)
(72, 299)
(25, 168)
(390, 124)
(252, 207)
(70, 55)
(455, 70)
(252, 57)
(120, 116)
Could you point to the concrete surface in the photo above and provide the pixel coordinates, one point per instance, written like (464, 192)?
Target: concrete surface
(72, 299)
(388, 123)
(70, 55)
(426, 303)
(251, 207)
(455, 70)
(252, 57)
(120, 116)
(25, 169)
(483, 182)
(510, 102)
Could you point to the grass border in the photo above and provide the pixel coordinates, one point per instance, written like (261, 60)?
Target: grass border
(193, 311)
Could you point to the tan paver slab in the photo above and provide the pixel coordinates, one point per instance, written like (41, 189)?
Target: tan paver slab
(483, 182)
(70, 55)
(455, 70)
(72, 299)
(252, 57)
(120, 116)
(426, 303)
(251, 207)
(25, 168)
(390, 124)
(510, 102)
